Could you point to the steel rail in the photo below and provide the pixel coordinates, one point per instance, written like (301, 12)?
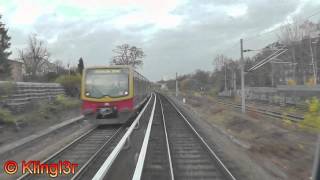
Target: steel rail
(61, 150)
(142, 155)
(220, 163)
(111, 158)
(167, 142)
(85, 166)
(29, 140)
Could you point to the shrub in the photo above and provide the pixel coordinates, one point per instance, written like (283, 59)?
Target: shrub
(71, 84)
(66, 102)
(6, 89)
(291, 82)
(6, 116)
(312, 117)
(311, 82)
(213, 92)
(51, 76)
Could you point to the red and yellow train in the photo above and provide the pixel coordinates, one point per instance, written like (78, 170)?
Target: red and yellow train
(110, 95)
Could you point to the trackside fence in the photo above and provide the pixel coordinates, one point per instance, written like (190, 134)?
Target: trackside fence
(18, 95)
(291, 95)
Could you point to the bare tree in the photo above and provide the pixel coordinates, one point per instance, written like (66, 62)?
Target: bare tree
(128, 55)
(296, 31)
(59, 66)
(221, 61)
(290, 32)
(298, 37)
(34, 56)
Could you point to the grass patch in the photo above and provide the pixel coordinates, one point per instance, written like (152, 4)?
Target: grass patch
(46, 110)
(291, 110)
(42, 111)
(221, 118)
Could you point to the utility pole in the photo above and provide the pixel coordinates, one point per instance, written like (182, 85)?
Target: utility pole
(313, 63)
(272, 76)
(176, 84)
(225, 76)
(243, 98)
(234, 82)
(316, 162)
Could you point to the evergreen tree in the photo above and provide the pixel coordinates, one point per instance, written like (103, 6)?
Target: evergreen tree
(80, 66)
(5, 69)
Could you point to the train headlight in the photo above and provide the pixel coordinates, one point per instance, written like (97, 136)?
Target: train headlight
(126, 93)
(87, 94)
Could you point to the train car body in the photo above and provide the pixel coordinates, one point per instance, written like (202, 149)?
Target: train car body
(110, 95)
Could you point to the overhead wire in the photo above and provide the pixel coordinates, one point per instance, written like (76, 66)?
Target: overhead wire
(269, 58)
(267, 32)
(278, 52)
(278, 28)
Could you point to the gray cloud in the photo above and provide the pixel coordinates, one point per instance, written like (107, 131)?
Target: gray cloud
(205, 31)
(194, 45)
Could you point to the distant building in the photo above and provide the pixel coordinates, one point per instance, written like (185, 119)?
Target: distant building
(47, 67)
(17, 70)
(163, 86)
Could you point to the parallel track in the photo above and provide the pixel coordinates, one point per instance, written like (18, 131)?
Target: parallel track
(274, 114)
(82, 151)
(41, 136)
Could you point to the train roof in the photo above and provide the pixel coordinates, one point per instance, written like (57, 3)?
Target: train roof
(117, 66)
(111, 66)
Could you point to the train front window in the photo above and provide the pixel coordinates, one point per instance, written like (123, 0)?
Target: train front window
(106, 82)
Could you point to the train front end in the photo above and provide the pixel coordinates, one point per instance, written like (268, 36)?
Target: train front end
(107, 94)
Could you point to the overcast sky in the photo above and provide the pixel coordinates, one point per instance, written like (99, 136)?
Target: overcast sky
(176, 35)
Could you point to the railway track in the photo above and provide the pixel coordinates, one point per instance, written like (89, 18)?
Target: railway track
(190, 156)
(82, 151)
(274, 114)
(159, 144)
(157, 163)
(121, 163)
(170, 148)
(43, 135)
